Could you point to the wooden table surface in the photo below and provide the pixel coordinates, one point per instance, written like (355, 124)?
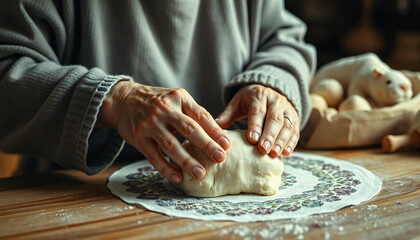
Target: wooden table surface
(70, 205)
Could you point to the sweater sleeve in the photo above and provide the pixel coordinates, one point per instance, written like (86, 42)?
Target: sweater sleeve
(48, 109)
(280, 58)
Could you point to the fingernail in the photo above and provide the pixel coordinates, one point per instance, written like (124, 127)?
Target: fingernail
(266, 145)
(288, 149)
(223, 142)
(176, 178)
(277, 149)
(255, 136)
(198, 172)
(218, 155)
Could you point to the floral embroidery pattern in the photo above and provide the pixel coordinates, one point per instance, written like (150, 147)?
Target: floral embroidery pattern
(333, 183)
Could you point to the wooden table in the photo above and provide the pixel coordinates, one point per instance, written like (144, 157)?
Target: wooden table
(68, 205)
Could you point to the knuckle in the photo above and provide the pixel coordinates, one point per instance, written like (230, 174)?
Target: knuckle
(184, 163)
(288, 125)
(154, 160)
(278, 97)
(137, 92)
(164, 171)
(271, 135)
(276, 117)
(178, 92)
(215, 132)
(202, 115)
(261, 92)
(207, 146)
(189, 128)
(257, 110)
(282, 139)
(259, 89)
(154, 108)
(161, 104)
(280, 142)
(255, 126)
(258, 97)
(265, 90)
(168, 145)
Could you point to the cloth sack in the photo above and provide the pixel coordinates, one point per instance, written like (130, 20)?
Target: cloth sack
(328, 129)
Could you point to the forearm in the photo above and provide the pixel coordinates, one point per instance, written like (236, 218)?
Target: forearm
(47, 107)
(49, 111)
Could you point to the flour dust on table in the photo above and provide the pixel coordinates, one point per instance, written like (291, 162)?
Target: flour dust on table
(311, 184)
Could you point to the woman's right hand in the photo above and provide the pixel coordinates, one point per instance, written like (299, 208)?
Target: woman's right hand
(147, 118)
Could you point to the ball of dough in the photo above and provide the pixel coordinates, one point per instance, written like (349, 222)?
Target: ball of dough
(245, 169)
(331, 90)
(318, 101)
(355, 102)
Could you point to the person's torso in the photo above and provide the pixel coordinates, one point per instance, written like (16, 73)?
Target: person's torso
(196, 45)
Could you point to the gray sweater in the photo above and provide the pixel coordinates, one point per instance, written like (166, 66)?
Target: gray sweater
(58, 59)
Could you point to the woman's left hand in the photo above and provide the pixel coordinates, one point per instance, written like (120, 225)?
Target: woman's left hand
(273, 123)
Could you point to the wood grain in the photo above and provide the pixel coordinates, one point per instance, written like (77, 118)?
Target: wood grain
(70, 205)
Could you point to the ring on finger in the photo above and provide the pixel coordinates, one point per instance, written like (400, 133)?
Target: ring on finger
(290, 119)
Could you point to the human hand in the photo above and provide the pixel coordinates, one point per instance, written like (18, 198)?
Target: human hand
(273, 123)
(148, 117)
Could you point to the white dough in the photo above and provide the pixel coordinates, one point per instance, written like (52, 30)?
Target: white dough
(245, 169)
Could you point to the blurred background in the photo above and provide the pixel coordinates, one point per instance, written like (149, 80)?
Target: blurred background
(389, 28)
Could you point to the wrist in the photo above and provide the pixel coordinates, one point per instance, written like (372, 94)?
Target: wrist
(108, 110)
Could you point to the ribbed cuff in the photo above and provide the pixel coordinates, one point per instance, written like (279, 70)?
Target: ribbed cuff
(80, 121)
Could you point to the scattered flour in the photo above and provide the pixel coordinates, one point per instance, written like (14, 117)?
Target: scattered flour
(224, 232)
(364, 217)
(331, 222)
(267, 234)
(242, 231)
(131, 207)
(188, 227)
(371, 207)
(269, 231)
(326, 235)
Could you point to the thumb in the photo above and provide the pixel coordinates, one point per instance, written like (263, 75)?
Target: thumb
(228, 116)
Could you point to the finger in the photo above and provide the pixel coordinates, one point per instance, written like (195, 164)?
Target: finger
(206, 121)
(151, 151)
(173, 148)
(291, 145)
(272, 126)
(256, 115)
(192, 131)
(282, 139)
(228, 116)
